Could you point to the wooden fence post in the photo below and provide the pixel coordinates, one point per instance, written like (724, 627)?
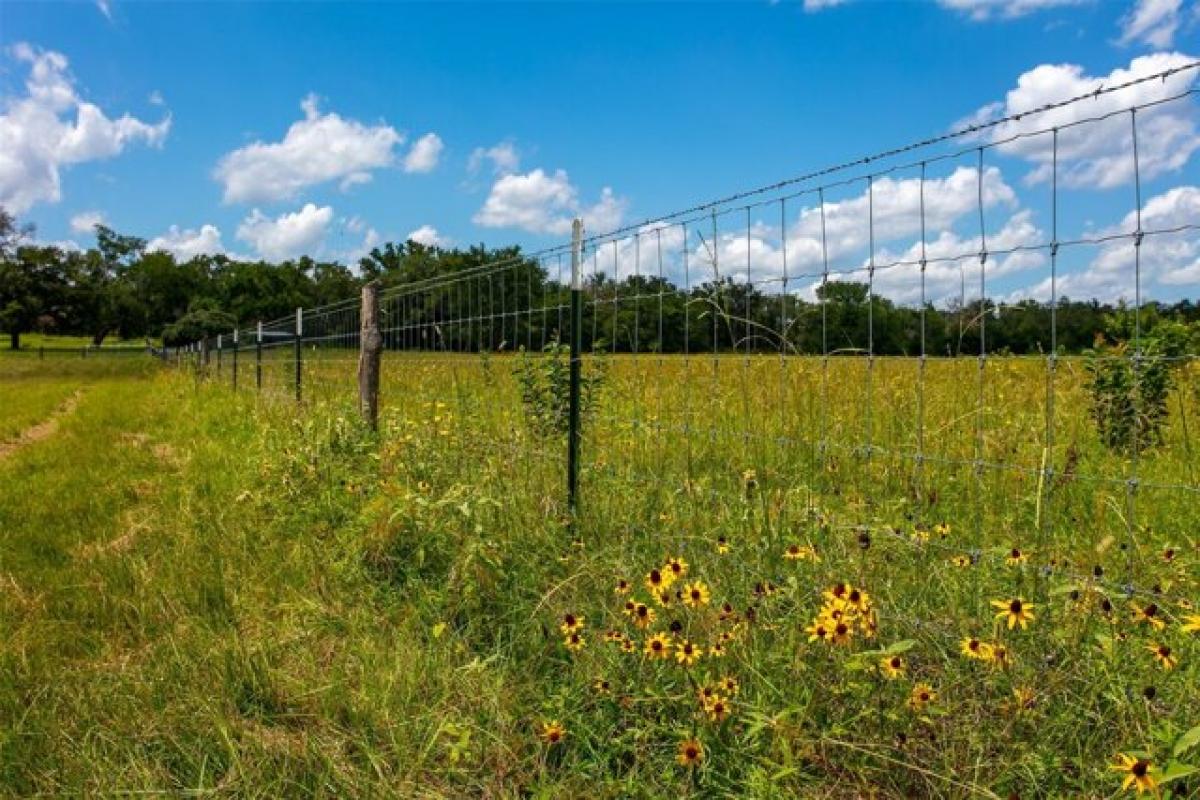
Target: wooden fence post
(370, 346)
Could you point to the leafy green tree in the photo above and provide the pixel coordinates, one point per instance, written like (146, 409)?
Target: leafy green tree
(34, 283)
(202, 321)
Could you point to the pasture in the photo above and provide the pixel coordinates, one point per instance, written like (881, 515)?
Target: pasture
(209, 591)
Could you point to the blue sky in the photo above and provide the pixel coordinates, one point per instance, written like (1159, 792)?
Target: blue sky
(277, 129)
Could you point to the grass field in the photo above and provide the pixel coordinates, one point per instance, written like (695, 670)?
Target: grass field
(204, 591)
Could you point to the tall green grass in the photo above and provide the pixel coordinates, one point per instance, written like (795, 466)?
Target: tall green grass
(210, 592)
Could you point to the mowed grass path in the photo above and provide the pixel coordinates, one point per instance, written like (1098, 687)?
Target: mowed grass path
(174, 618)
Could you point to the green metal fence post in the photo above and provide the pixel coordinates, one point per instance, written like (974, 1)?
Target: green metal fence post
(299, 336)
(576, 355)
(258, 358)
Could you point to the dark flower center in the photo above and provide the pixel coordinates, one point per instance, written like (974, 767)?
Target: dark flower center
(1015, 606)
(1140, 768)
(895, 662)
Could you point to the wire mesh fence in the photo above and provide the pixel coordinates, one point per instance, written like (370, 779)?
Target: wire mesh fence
(830, 345)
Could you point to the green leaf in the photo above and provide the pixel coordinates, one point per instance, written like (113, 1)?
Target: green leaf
(1187, 741)
(1174, 771)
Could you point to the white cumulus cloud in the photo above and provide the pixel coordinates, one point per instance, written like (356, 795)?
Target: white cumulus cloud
(424, 154)
(1168, 261)
(86, 221)
(51, 127)
(1005, 9)
(1152, 22)
(541, 202)
(317, 149)
(188, 243)
(428, 236)
(503, 155)
(1099, 153)
(820, 5)
(287, 235)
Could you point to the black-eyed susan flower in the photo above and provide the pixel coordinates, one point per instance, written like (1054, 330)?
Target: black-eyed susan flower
(705, 694)
(688, 653)
(794, 552)
(942, 529)
(676, 567)
(571, 623)
(892, 667)
(664, 597)
(623, 587)
(552, 732)
(922, 695)
(717, 650)
(1163, 655)
(1168, 554)
(613, 636)
(974, 648)
(729, 685)
(961, 561)
(729, 635)
(574, 641)
(999, 656)
(841, 633)
(1016, 557)
(1191, 624)
(750, 480)
(837, 592)
(1016, 611)
(696, 594)
(628, 645)
(1024, 699)
(691, 752)
(727, 612)
(658, 646)
(1139, 773)
(656, 580)
(817, 631)
(601, 686)
(722, 545)
(1149, 614)
(643, 615)
(718, 708)
(858, 600)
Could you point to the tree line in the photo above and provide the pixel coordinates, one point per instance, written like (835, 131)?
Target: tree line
(120, 288)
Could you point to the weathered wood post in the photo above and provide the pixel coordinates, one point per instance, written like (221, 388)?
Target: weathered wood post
(220, 353)
(370, 348)
(235, 358)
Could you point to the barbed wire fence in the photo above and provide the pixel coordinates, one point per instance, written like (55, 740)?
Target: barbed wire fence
(733, 348)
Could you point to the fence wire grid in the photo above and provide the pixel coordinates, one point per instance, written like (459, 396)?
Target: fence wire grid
(740, 344)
